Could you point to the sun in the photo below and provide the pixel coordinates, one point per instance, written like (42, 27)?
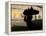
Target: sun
(17, 14)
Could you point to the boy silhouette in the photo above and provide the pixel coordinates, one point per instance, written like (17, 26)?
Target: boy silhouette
(28, 16)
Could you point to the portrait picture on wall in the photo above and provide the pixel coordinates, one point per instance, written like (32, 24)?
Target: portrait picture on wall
(24, 17)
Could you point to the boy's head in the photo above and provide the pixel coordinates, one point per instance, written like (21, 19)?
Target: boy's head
(30, 11)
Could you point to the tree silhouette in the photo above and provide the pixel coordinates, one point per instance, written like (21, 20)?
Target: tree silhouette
(39, 16)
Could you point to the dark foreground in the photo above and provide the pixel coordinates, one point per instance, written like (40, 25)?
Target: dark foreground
(37, 25)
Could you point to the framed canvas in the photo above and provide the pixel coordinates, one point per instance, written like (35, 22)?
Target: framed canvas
(24, 17)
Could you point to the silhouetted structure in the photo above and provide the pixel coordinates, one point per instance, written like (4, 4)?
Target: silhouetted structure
(28, 16)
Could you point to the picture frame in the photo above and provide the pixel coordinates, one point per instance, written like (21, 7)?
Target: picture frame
(22, 6)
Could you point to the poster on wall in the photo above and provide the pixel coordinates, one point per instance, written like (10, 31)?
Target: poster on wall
(24, 17)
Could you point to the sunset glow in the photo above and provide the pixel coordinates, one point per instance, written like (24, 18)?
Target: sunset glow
(17, 14)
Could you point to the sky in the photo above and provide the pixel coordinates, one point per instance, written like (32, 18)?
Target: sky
(17, 11)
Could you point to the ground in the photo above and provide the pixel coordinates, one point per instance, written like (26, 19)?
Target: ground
(37, 25)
